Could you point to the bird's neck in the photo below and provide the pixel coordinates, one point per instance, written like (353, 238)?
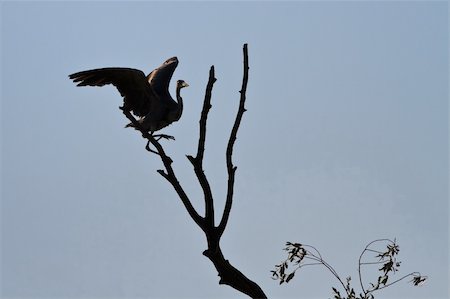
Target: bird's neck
(180, 102)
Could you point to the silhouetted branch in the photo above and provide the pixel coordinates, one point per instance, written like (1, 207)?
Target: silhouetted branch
(228, 274)
(197, 162)
(230, 167)
(204, 115)
(231, 276)
(169, 175)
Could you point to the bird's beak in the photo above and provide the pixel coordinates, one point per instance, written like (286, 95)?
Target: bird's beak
(185, 84)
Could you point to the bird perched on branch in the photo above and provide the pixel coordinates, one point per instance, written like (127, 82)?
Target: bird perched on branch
(147, 97)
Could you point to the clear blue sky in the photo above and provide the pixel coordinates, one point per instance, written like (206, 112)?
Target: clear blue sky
(345, 141)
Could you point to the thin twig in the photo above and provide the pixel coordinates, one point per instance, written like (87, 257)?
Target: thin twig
(395, 281)
(373, 263)
(360, 257)
(315, 249)
(374, 251)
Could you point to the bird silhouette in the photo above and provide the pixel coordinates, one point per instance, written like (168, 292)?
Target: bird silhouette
(147, 97)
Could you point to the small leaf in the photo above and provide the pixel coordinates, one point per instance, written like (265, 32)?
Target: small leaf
(337, 295)
(387, 267)
(290, 276)
(419, 280)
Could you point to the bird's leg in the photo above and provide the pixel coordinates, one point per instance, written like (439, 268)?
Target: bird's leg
(159, 136)
(147, 147)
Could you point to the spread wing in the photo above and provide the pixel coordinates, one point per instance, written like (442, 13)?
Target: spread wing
(131, 83)
(160, 77)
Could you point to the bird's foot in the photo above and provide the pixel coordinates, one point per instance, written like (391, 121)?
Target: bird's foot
(147, 147)
(163, 136)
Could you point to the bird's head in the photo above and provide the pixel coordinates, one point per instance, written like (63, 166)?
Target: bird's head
(182, 84)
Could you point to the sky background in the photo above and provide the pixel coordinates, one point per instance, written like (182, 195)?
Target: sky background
(345, 141)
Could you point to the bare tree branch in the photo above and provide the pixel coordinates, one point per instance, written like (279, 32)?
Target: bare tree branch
(230, 167)
(197, 162)
(231, 276)
(228, 274)
(169, 175)
(204, 115)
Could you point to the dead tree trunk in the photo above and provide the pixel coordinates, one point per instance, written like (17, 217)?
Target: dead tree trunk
(228, 274)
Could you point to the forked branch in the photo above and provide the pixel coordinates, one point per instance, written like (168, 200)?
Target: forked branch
(228, 274)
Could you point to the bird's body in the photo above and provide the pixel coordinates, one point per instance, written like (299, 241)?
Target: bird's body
(147, 97)
(163, 115)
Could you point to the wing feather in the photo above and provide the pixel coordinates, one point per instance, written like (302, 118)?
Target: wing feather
(160, 77)
(131, 83)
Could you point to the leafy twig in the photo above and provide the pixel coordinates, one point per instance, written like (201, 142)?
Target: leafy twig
(298, 254)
